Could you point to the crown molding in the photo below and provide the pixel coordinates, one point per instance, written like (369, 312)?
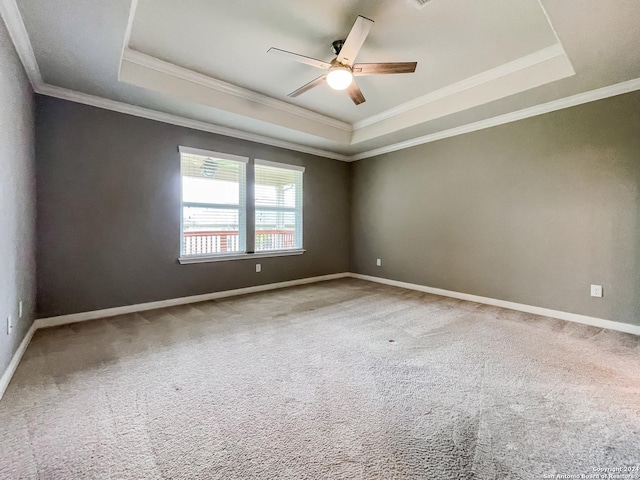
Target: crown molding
(555, 105)
(560, 104)
(17, 31)
(121, 107)
(173, 70)
(522, 63)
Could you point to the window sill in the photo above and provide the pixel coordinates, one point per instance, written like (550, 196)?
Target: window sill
(238, 256)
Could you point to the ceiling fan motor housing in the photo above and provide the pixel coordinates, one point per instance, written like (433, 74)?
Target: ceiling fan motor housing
(337, 46)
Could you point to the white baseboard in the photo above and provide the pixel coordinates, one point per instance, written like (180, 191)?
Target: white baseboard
(545, 312)
(13, 364)
(110, 312)
(140, 307)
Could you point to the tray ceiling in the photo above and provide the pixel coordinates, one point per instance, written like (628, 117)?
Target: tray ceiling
(451, 40)
(206, 61)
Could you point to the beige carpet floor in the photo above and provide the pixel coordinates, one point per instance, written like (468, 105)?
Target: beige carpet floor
(344, 379)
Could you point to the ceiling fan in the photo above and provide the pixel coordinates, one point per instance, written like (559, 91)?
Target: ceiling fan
(343, 68)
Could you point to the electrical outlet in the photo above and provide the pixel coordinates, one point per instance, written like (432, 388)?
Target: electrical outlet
(9, 325)
(596, 291)
(20, 309)
(258, 268)
(379, 262)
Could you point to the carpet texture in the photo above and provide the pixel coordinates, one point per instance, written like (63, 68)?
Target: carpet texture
(342, 379)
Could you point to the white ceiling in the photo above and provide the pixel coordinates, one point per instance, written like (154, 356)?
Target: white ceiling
(206, 61)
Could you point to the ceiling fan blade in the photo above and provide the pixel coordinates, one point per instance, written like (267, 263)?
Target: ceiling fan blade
(301, 58)
(354, 41)
(354, 92)
(361, 69)
(308, 86)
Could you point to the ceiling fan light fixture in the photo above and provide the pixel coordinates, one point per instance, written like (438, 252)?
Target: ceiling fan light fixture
(339, 78)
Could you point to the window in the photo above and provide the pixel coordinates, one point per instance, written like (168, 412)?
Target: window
(213, 202)
(278, 194)
(216, 216)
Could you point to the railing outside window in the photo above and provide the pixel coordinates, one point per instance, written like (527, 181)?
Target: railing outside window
(224, 241)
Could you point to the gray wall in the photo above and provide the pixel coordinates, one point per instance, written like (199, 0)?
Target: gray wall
(531, 212)
(109, 215)
(17, 199)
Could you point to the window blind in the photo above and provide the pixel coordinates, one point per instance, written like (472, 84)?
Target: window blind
(213, 202)
(278, 206)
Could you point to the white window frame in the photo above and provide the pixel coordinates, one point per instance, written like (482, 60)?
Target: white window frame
(242, 204)
(218, 257)
(298, 211)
